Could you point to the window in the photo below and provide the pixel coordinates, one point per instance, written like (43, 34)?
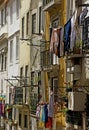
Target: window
(21, 74)
(55, 22)
(17, 8)
(27, 29)
(17, 47)
(3, 17)
(23, 27)
(55, 89)
(21, 71)
(26, 72)
(2, 20)
(15, 113)
(40, 19)
(25, 121)
(11, 51)
(1, 86)
(2, 61)
(20, 119)
(85, 34)
(34, 23)
(5, 65)
(11, 14)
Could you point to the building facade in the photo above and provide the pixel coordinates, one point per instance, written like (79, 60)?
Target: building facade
(54, 66)
(3, 57)
(44, 47)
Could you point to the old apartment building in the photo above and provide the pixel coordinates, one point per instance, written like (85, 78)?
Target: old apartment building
(44, 63)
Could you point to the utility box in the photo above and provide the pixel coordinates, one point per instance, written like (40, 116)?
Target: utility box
(76, 101)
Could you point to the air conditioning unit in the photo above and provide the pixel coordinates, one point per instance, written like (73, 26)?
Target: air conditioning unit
(76, 101)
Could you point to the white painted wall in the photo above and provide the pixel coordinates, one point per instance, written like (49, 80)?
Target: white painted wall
(13, 31)
(15, 26)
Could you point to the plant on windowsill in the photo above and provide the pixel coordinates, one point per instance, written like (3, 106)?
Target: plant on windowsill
(78, 47)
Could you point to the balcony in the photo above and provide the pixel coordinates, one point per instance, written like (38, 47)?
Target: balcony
(50, 4)
(18, 95)
(48, 60)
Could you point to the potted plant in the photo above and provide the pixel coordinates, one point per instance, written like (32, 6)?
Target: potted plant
(78, 47)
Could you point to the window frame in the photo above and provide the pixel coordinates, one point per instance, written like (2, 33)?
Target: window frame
(33, 23)
(85, 31)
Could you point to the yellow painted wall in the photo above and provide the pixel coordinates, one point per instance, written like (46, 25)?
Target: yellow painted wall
(60, 118)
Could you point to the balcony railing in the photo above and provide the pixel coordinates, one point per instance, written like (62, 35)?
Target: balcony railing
(18, 95)
(47, 4)
(48, 59)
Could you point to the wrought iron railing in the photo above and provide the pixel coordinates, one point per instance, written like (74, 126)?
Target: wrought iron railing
(46, 58)
(45, 2)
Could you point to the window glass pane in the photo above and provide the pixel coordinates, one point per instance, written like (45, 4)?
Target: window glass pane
(17, 8)
(23, 27)
(34, 23)
(25, 121)
(11, 51)
(11, 14)
(40, 19)
(27, 30)
(19, 119)
(17, 47)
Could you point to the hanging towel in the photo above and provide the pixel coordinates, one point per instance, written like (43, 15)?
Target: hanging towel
(67, 32)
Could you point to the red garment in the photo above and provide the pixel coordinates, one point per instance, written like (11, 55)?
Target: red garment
(49, 123)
